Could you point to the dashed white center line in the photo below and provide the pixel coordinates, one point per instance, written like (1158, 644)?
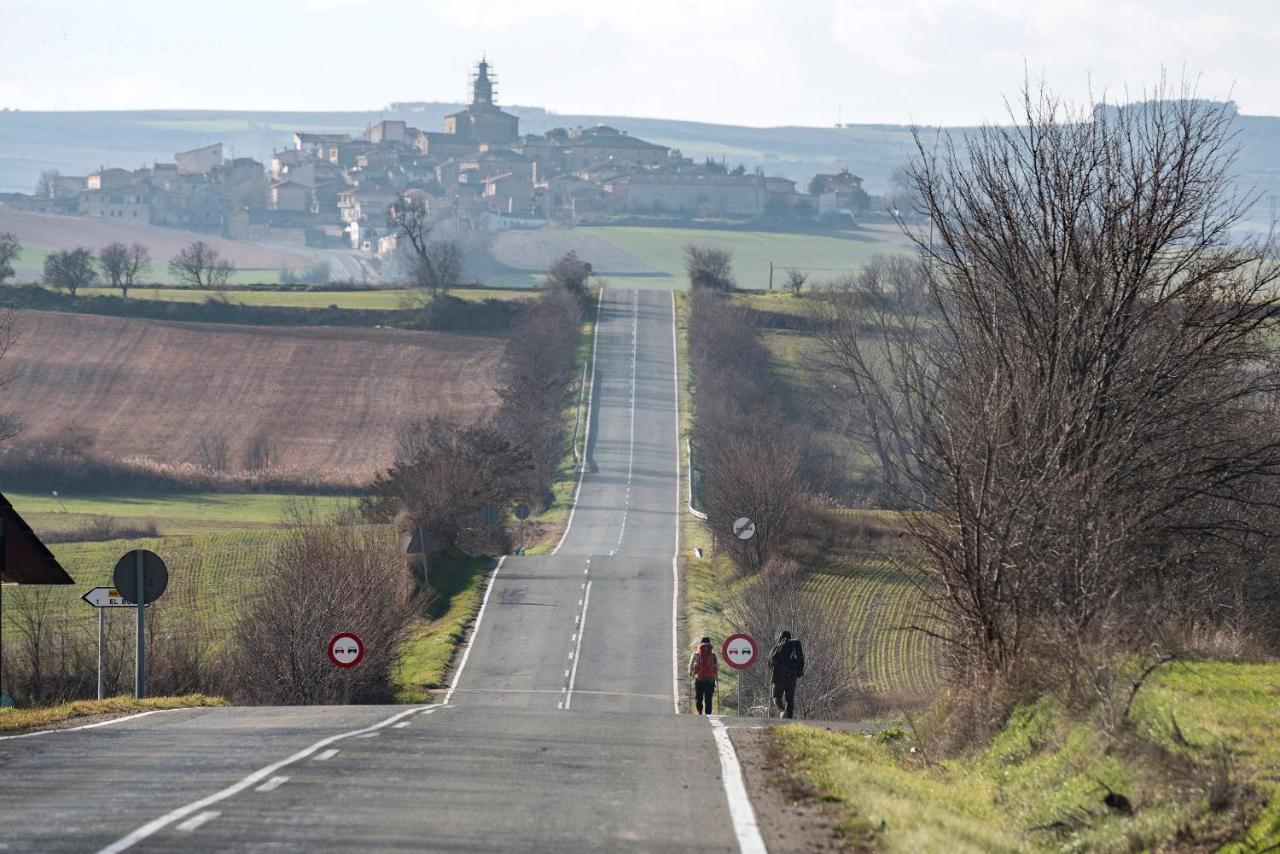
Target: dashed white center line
(328, 754)
(272, 784)
(368, 735)
(199, 819)
(576, 654)
(400, 725)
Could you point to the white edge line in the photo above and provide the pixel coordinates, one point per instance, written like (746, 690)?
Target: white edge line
(586, 433)
(575, 655)
(153, 827)
(675, 558)
(745, 827)
(475, 630)
(100, 723)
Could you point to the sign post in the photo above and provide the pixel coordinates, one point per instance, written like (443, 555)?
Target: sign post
(739, 651)
(744, 529)
(141, 577)
(103, 598)
(522, 513)
(346, 650)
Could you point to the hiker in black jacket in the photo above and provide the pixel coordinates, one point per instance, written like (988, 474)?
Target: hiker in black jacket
(786, 665)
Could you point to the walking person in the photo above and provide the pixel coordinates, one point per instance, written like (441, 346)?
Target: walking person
(786, 666)
(704, 669)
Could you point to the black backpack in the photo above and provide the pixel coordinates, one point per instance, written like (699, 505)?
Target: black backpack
(795, 660)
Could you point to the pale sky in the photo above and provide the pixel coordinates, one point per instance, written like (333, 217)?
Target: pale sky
(752, 62)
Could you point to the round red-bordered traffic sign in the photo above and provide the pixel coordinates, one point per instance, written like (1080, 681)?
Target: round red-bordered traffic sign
(346, 649)
(739, 651)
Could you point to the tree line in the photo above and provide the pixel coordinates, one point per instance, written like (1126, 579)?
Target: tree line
(196, 265)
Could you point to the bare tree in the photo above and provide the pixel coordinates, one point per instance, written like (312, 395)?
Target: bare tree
(47, 184)
(434, 264)
(1091, 402)
(215, 453)
(71, 269)
(324, 579)
(199, 265)
(121, 264)
(571, 273)
(9, 249)
(260, 453)
(709, 266)
(796, 280)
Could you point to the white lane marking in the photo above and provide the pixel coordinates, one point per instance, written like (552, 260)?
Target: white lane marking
(328, 754)
(401, 725)
(631, 453)
(475, 630)
(98, 724)
(153, 827)
(573, 674)
(586, 434)
(368, 735)
(272, 784)
(675, 558)
(745, 827)
(195, 821)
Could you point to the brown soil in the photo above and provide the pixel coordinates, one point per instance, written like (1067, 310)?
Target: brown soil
(329, 400)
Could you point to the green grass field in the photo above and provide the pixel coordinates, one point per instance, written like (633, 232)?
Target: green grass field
(1210, 781)
(826, 256)
(382, 299)
(209, 509)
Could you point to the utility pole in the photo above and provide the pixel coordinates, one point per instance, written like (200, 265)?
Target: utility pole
(770, 275)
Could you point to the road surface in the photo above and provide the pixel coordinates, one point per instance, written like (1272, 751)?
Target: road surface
(559, 732)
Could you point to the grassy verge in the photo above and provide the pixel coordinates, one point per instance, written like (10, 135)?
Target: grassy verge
(1199, 763)
(458, 581)
(13, 720)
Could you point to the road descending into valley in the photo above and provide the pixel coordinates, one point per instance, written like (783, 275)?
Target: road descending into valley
(558, 733)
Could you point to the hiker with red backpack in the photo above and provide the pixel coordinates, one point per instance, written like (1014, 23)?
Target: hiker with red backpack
(786, 666)
(704, 669)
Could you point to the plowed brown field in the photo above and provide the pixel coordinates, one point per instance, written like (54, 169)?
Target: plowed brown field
(329, 399)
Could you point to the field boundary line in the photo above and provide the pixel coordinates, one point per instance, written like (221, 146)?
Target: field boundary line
(475, 630)
(586, 435)
(675, 557)
(156, 825)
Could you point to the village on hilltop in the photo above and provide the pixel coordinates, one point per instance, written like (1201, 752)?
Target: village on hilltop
(334, 190)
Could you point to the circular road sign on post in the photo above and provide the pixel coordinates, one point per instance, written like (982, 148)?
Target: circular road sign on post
(739, 651)
(744, 528)
(155, 576)
(346, 649)
(522, 511)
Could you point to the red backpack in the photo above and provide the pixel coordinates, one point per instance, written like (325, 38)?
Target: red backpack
(704, 662)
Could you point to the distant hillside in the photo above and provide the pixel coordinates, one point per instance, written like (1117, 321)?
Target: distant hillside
(76, 143)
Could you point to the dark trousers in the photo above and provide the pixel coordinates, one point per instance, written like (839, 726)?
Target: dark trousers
(784, 696)
(702, 690)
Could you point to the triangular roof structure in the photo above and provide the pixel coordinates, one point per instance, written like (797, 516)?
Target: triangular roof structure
(23, 557)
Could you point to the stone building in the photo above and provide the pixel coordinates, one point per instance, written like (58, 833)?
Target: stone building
(482, 122)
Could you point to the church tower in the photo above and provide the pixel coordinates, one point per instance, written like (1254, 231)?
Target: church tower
(482, 86)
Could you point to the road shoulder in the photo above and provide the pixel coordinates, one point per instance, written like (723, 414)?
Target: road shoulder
(791, 816)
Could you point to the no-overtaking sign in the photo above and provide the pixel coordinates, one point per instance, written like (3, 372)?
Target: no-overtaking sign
(346, 649)
(739, 651)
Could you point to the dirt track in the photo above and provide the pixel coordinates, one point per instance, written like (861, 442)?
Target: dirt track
(329, 399)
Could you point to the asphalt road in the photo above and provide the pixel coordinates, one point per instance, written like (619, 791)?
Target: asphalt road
(559, 733)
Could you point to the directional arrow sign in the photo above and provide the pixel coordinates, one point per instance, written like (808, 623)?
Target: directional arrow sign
(107, 597)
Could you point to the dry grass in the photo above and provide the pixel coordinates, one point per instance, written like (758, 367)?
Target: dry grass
(15, 720)
(328, 399)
